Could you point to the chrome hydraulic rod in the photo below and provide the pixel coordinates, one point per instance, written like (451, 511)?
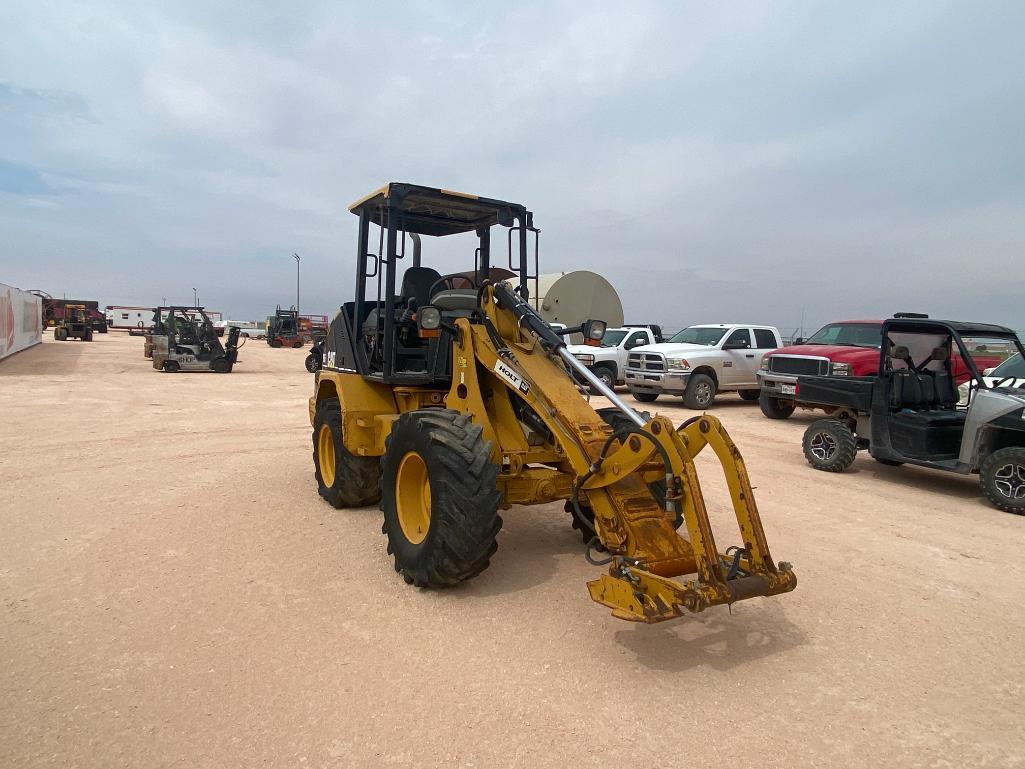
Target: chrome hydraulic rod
(598, 385)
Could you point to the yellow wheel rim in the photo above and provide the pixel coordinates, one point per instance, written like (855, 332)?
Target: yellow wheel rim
(326, 455)
(413, 497)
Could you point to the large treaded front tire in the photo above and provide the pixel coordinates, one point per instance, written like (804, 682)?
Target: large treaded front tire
(700, 392)
(356, 479)
(829, 445)
(463, 521)
(1002, 477)
(775, 408)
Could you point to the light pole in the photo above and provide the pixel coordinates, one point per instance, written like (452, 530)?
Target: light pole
(195, 298)
(296, 257)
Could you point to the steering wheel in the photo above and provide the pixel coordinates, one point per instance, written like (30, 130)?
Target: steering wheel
(446, 281)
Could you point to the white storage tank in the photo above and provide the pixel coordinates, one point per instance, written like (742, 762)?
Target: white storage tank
(576, 296)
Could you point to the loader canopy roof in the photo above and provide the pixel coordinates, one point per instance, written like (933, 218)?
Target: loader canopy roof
(433, 211)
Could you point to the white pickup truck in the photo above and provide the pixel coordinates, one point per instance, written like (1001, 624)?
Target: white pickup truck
(609, 360)
(701, 361)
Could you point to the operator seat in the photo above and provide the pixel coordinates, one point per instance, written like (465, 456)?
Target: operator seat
(417, 282)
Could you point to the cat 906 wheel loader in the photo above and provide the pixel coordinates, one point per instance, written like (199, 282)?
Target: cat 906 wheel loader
(445, 404)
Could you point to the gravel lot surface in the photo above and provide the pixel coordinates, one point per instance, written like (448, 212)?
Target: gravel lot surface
(175, 593)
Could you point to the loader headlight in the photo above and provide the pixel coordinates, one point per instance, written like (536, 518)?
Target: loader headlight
(587, 360)
(594, 330)
(678, 364)
(840, 369)
(428, 321)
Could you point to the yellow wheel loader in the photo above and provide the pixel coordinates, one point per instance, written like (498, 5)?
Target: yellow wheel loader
(446, 398)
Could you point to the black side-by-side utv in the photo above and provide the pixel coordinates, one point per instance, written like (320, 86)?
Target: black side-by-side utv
(913, 412)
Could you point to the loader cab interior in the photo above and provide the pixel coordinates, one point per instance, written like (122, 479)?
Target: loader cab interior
(377, 334)
(917, 412)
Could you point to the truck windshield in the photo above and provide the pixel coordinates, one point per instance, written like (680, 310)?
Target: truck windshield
(699, 335)
(849, 334)
(613, 338)
(1012, 367)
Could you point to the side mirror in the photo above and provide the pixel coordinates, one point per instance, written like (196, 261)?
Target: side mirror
(798, 340)
(428, 321)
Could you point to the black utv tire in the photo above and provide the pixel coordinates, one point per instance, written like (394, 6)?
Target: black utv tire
(750, 395)
(607, 377)
(829, 445)
(700, 392)
(351, 480)
(1002, 477)
(456, 538)
(775, 408)
(645, 397)
(616, 419)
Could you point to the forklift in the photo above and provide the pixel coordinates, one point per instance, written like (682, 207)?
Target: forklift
(283, 328)
(74, 324)
(184, 339)
(445, 401)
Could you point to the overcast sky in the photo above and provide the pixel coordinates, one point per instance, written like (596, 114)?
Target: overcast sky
(716, 161)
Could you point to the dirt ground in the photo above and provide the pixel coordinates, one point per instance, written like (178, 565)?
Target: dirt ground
(175, 593)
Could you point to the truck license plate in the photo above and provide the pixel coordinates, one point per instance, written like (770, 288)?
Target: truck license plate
(788, 389)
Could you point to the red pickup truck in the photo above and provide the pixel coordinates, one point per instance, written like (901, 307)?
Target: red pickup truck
(847, 348)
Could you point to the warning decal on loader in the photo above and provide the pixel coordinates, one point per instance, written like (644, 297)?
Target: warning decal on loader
(511, 377)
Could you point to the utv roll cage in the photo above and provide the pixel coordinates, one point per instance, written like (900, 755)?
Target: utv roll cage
(400, 210)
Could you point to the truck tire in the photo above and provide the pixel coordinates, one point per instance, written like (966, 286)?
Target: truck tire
(1002, 477)
(439, 496)
(607, 376)
(616, 419)
(829, 445)
(750, 395)
(700, 392)
(645, 397)
(775, 408)
(343, 479)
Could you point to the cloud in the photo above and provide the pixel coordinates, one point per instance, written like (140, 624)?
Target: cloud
(715, 161)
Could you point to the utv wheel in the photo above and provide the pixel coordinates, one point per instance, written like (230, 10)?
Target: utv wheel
(312, 363)
(645, 397)
(220, 365)
(750, 395)
(616, 419)
(440, 498)
(829, 445)
(775, 408)
(607, 377)
(1002, 477)
(172, 367)
(700, 392)
(343, 478)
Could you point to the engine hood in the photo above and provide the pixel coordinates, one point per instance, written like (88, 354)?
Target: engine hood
(837, 352)
(676, 348)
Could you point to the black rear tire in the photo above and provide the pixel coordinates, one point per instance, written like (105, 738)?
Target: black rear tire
(354, 480)
(1002, 477)
(700, 392)
(829, 445)
(462, 522)
(775, 408)
(750, 395)
(645, 397)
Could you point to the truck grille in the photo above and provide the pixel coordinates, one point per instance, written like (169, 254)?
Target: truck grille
(799, 365)
(646, 361)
